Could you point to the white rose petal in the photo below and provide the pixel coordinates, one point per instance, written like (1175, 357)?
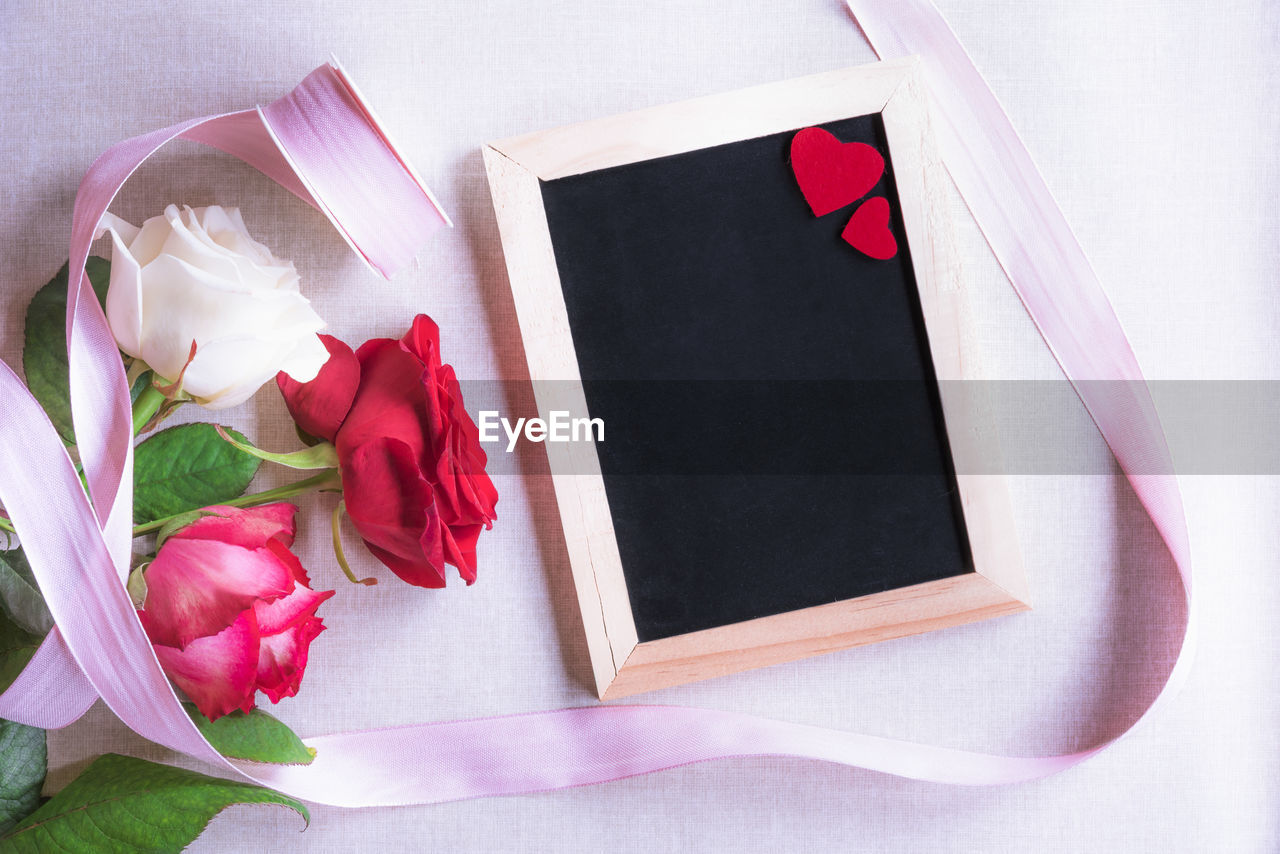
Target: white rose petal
(196, 275)
(124, 296)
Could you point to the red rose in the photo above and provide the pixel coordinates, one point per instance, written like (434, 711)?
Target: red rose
(229, 609)
(413, 471)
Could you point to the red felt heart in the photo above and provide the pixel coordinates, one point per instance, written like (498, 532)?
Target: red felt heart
(831, 173)
(868, 230)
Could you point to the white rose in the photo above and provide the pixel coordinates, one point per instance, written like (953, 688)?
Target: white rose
(195, 275)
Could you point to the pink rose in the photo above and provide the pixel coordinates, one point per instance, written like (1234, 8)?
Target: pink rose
(229, 609)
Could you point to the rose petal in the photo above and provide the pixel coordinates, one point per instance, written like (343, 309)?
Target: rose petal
(145, 245)
(394, 510)
(247, 527)
(124, 297)
(459, 542)
(282, 659)
(218, 673)
(222, 233)
(188, 242)
(422, 572)
(304, 361)
(226, 227)
(196, 588)
(229, 371)
(460, 471)
(389, 401)
(183, 302)
(319, 406)
(287, 611)
(289, 559)
(124, 229)
(423, 341)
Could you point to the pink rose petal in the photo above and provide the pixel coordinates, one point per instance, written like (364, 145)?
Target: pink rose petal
(218, 673)
(196, 588)
(249, 527)
(282, 659)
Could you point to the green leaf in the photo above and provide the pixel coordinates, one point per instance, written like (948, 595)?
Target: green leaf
(44, 351)
(17, 646)
(186, 468)
(23, 764)
(20, 595)
(122, 805)
(256, 736)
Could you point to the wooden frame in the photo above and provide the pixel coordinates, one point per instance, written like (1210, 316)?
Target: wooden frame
(895, 89)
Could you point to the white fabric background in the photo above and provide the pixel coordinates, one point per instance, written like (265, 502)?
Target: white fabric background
(1154, 123)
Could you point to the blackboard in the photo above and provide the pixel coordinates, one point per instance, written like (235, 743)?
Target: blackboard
(780, 475)
(774, 435)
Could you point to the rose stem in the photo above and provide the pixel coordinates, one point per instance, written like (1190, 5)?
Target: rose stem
(336, 522)
(327, 479)
(146, 406)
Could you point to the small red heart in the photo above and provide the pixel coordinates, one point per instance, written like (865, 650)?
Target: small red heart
(831, 173)
(868, 230)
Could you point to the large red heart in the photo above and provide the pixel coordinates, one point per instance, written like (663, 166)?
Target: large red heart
(831, 173)
(868, 230)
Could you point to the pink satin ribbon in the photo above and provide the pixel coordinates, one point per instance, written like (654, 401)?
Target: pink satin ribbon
(323, 144)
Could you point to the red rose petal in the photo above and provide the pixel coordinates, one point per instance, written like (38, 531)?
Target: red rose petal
(393, 508)
(460, 549)
(426, 571)
(390, 401)
(319, 406)
(423, 341)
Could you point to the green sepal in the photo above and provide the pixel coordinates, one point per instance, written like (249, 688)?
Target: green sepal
(136, 585)
(319, 456)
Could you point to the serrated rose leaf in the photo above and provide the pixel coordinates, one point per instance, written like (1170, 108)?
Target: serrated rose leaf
(256, 736)
(23, 764)
(17, 646)
(20, 596)
(185, 468)
(123, 805)
(44, 349)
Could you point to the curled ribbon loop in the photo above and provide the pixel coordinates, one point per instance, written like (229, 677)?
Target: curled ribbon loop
(323, 143)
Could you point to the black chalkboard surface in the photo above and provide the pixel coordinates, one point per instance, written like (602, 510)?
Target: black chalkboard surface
(774, 435)
(782, 473)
